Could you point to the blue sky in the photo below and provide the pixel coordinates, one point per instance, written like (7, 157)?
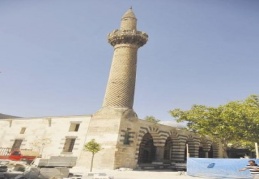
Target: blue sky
(55, 59)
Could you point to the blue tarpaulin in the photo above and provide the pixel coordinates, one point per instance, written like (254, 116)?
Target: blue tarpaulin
(218, 168)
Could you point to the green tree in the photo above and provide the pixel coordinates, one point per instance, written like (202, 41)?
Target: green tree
(93, 147)
(235, 123)
(151, 119)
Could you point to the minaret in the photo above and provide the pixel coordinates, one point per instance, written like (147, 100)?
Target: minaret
(121, 84)
(109, 124)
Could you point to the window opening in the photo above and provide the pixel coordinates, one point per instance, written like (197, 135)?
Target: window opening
(17, 144)
(126, 140)
(22, 130)
(74, 127)
(69, 145)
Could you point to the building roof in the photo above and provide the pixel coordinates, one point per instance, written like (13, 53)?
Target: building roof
(5, 116)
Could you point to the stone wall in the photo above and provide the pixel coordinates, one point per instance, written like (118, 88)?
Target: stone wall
(46, 135)
(126, 140)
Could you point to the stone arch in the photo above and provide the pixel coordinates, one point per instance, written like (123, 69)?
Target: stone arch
(205, 148)
(201, 152)
(147, 150)
(178, 149)
(154, 131)
(193, 142)
(145, 133)
(210, 152)
(215, 150)
(168, 149)
(158, 137)
(163, 146)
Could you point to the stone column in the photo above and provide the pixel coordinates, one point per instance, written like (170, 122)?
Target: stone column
(206, 150)
(160, 154)
(206, 154)
(178, 151)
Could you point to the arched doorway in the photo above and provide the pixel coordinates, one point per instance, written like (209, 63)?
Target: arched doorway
(201, 152)
(186, 152)
(167, 151)
(147, 150)
(210, 153)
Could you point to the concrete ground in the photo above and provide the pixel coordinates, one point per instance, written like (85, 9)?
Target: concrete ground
(141, 174)
(150, 175)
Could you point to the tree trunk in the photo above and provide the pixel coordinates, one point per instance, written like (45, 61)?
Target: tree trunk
(92, 161)
(225, 147)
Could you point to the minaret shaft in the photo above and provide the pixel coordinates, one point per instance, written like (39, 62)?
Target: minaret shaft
(126, 40)
(121, 84)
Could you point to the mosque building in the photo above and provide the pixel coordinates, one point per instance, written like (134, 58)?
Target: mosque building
(126, 140)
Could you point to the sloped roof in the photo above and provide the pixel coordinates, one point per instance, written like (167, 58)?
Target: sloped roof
(5, 116)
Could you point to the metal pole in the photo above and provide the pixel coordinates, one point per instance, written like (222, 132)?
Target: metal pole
(187, 149)
(256, 150)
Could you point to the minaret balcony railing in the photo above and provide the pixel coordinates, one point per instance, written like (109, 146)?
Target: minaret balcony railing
(128, 37)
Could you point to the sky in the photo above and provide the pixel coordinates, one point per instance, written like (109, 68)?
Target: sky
(55, 58)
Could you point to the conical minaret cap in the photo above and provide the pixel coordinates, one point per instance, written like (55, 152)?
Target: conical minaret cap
(129, 14)
(128, 21)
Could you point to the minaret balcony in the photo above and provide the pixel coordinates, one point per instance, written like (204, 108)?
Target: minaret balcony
(127, 37)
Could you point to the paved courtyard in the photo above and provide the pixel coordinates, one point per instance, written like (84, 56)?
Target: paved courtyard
(150, 175)
(147, 174)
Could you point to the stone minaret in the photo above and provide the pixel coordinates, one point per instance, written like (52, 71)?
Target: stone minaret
(108, 125)
(121, 84)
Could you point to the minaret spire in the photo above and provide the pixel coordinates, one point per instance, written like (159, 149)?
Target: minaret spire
(121, 84)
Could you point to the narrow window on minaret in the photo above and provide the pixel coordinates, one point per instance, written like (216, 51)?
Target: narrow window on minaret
(126, 138)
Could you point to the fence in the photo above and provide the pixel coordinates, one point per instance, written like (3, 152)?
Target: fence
(5, 151)
(218, 168)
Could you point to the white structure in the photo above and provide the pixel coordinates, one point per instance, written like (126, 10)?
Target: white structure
(51, 136)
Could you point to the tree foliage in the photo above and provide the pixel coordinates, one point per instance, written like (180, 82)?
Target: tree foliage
(151, 119)
(93, 147)
(235, 123)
